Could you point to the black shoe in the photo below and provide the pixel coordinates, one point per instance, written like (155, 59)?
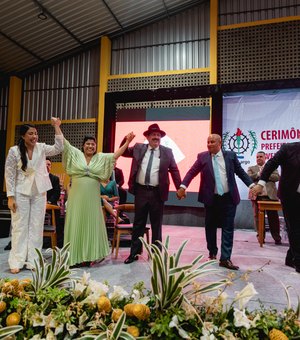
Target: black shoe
(8, 247)
(278, 242)
(131, 258)
(228, 264)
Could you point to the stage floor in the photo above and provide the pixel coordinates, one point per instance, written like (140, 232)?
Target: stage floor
(266, 265)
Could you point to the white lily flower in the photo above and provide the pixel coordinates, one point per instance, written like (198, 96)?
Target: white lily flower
(174, 322)
(241, 319)
(79, 288)
(91, 299)
(208, 327)
(50, 335)
(228, 335)
(59, 329)
(85, 278)
(72, 329)
(135, 294)
(118, 293)
(39, 319)
(244, 296)
(98, 288)
(83, 317)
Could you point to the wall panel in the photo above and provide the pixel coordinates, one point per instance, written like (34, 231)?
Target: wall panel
(240, 11)
(177, 43)
(68, 89)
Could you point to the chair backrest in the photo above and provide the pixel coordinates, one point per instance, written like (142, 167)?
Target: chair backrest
(52, 208)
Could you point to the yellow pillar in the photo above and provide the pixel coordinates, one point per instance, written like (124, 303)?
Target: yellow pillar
(14, 109)
(105, 60)
(213, 41)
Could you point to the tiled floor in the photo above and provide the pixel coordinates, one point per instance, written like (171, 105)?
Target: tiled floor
(266, 265)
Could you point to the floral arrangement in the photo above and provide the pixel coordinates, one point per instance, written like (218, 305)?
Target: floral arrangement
(180, 305)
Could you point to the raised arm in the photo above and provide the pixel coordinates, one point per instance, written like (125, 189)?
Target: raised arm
(121, 150)
(56, 122)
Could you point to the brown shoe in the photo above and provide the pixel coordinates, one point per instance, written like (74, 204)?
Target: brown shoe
(212, 257)
(228, 264)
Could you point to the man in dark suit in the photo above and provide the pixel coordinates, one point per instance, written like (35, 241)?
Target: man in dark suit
(219, 193)
(54, 193)
(149, 183)
(288, 157)
(53, 196)
(269, 194)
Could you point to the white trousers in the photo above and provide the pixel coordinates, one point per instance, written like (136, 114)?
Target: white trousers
(27, 230)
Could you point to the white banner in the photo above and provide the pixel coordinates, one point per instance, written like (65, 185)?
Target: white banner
(258, 121)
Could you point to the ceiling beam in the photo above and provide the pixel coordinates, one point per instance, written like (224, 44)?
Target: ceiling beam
(166, 9)
(113, 14)
(49, 14)
(21, 46)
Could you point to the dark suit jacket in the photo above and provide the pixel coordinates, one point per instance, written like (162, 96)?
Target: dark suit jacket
(54, 193)
(204, 166)
(167, 164)
(288, 157)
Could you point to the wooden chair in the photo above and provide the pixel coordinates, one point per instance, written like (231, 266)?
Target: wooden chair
(124, 229)
(50, 225)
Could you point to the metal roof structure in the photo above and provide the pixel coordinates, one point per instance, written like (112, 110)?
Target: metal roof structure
(34, 33)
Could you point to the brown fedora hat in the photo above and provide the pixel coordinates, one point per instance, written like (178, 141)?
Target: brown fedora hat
(154, 128)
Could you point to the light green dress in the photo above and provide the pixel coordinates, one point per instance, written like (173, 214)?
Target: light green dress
(84, 225)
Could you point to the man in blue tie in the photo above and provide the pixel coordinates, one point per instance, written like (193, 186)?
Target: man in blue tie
(149, 183)
(219, 193)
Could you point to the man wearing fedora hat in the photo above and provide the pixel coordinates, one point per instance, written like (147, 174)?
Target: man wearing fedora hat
(149, 183)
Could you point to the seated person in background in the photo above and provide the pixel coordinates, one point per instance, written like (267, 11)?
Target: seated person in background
(54, 193)
(119, 178)
(109, 196)
(53, 196)
(269, 193)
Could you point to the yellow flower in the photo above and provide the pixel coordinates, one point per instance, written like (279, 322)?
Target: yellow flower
(141, 311)
(104, 304)
(116, 314)
(276, 334)
(133, 330)
(2, 306)
(128, 309)
(13, 319)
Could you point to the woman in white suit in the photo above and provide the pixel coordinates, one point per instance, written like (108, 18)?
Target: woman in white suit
(27, 181)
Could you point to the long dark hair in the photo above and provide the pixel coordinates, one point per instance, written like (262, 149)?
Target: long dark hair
(21, 144)
(86, 138)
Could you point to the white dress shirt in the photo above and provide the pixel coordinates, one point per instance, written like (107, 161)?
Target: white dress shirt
(154, 174)
(222, 170)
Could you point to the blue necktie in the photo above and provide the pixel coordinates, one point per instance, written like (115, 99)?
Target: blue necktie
(148, 170)
(219, 186)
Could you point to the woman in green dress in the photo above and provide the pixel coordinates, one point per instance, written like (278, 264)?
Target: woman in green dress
(85, 228)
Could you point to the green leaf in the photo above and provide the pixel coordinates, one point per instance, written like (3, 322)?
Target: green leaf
(119, 326)
(10, 330)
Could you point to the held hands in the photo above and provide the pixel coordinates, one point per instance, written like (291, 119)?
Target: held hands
(129, 137)
(256, 190)
(181, 193)
(55, 121)
(12, 205)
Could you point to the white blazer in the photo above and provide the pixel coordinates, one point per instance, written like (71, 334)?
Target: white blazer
(21, 181)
